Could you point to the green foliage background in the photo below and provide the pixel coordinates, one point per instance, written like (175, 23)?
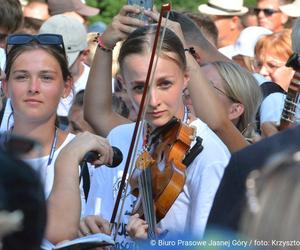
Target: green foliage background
(110, 8)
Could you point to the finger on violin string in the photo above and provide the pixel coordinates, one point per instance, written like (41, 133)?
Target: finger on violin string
(136, 227)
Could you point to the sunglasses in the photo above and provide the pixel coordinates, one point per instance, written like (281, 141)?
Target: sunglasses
(44, 39)
(266, 11)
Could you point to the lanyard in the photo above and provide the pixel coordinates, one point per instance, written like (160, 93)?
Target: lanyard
(53, 147)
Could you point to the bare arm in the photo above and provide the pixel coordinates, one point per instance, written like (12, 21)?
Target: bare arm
(268, 129)
(64, 203)
(98, 94)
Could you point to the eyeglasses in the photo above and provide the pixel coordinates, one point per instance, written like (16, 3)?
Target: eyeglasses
(223, 93)
(266, 11)
(45, 39)
(270, 66)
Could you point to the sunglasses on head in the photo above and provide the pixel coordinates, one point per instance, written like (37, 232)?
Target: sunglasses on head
(266, 11)
(44, 39)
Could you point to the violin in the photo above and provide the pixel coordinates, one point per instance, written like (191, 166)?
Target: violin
(161, 166)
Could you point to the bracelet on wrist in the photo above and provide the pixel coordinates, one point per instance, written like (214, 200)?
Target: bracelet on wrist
(101, 45)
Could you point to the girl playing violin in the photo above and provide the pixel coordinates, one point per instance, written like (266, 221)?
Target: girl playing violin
(190, 210)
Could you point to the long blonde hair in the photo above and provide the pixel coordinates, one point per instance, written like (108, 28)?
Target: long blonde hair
(241, 86)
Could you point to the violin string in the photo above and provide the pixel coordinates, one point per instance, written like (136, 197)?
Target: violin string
(126, 190)
(138, 136)
(152, 219)
(145, 181)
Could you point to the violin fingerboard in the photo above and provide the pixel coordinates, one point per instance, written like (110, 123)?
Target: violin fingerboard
(290, 104)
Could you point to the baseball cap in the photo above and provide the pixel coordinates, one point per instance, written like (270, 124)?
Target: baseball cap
(223, 8)
(73, 32)
(61, 6)
(245, 44)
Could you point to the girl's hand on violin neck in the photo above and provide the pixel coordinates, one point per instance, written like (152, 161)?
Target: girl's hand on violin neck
(85, 142)
(93, 224)
(122, 25)
(137, 228)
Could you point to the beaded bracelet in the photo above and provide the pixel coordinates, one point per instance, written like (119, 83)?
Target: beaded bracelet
(99, 41)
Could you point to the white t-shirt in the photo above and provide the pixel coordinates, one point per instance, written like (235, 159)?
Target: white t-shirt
(47, 177)
(47, 172)
(190, 211)
(271, 108)
(272, 105)
(2, 58)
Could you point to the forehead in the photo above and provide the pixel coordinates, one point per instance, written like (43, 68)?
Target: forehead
(35, 58)
(272, 57)
(135, 66)
(273, 4)
(165, 58)
(220, 19)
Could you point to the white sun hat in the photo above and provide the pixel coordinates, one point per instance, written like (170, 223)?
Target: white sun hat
(292, 9)
(223, 8)
(245, 44)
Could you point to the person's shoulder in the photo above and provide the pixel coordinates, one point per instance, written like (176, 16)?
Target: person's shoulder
(214, 150)
(208, 136)
(121, 130)
(66, 137)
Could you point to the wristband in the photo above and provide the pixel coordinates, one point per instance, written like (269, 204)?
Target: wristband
(99, 41)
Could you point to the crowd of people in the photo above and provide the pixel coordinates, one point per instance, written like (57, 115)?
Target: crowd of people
(206, 153)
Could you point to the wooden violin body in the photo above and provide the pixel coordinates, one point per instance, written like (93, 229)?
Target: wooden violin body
(164, 162)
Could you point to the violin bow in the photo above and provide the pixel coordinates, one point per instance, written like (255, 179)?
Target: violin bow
(137, 131)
